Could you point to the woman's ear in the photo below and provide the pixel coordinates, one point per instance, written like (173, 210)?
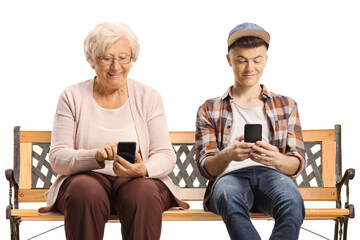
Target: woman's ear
(92, 66)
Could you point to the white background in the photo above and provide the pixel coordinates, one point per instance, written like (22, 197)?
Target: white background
(313, 57)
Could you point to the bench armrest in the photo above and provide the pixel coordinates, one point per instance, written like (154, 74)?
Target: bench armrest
(348, 175)
(9, 173)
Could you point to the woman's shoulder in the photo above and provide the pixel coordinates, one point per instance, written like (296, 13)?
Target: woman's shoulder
(79, 89)
(80, 86)
(140, 86)
(77, 92)
(141, 89)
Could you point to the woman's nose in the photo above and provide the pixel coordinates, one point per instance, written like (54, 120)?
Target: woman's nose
(116, 64)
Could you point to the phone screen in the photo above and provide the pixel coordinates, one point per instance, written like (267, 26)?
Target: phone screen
(126, 150)
(253, 132)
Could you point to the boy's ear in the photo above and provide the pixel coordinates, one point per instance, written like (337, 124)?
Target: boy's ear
(228, 59)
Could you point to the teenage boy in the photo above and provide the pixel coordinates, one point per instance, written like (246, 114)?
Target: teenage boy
(251, 176)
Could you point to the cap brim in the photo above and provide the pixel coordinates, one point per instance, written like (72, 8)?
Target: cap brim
(249, 33)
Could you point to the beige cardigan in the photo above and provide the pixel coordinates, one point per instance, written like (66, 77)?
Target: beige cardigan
(69, 151)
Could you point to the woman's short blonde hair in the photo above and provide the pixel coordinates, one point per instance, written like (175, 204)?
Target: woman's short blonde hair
(104, 35)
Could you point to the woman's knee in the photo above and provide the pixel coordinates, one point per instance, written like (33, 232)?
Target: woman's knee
(142, 192)
(85, 188)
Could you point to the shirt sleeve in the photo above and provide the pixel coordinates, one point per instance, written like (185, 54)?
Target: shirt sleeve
(206, 140)
(295, 144)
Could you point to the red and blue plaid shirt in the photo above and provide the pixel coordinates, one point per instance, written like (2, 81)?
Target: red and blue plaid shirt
(214, 123)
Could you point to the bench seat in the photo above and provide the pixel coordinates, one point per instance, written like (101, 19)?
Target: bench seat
(190, 215)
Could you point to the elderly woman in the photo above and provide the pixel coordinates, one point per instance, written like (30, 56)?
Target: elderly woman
(94, 182)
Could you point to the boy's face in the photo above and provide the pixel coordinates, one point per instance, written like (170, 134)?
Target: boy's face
(248, 65)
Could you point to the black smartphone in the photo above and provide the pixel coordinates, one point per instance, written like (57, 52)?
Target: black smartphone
(253, 132)
(127, 150)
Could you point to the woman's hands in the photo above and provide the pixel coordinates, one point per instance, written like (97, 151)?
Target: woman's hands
(121, 167)
(106, 152)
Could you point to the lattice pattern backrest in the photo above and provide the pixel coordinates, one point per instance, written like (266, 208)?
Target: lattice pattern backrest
(312, 175)
(42, 174)
(186, 173)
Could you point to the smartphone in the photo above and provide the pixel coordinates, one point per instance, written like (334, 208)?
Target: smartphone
(126, 150)
(253, 132)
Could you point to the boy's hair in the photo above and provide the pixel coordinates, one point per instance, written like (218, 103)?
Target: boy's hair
(248, 42)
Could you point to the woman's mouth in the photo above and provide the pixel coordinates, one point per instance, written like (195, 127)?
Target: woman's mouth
(114, 75)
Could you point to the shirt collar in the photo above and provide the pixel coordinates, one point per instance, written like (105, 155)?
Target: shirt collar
(265, 93)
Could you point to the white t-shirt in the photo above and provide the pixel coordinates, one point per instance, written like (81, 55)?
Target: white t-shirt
(111, 125)
(242, 116)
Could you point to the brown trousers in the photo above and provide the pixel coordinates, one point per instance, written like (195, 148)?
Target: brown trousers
(88, 199)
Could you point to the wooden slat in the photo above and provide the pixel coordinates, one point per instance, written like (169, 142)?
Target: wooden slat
(35, 136)
(190, 215)
(308, 194)
(32, 195)
(182, 137)
(321, 213)
(37, 195)
(309, 136)
(318, 194)
(194, 194)
(25, 165)
(328, 164)
(319, 135)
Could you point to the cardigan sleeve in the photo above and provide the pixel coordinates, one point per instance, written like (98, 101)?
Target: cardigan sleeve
(161, 160)
(64, 157)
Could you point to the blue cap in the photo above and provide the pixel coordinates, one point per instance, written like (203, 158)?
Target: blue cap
(248, 30)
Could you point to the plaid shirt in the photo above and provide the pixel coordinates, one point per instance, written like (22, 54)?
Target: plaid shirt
(214, 123)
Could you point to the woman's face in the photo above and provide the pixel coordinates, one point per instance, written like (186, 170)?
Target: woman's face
(113, 75)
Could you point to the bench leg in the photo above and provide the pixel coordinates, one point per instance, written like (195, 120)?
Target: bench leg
(336, 232)
(14, 228)
(346, 220)
(341, 225)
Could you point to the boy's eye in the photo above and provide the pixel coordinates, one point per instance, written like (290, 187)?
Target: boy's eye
(241, 60)
(258, 60)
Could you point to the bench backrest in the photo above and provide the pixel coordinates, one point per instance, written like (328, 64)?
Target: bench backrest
(316, 183)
